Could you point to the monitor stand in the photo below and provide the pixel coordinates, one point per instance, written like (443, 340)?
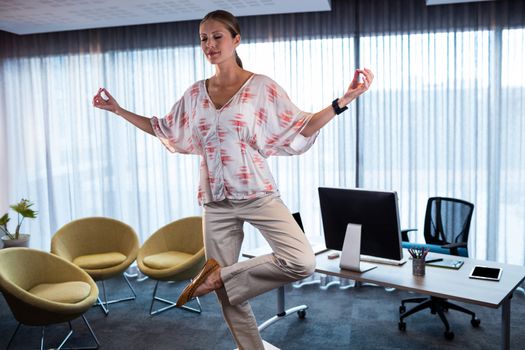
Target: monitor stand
(350, 256)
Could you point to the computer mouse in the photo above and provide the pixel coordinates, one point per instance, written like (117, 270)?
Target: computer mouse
(333, 255)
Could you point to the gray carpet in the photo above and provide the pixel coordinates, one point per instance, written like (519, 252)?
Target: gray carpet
(354, 318)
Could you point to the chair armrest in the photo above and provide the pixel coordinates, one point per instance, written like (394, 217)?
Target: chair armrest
(404, 234)
(455, 245)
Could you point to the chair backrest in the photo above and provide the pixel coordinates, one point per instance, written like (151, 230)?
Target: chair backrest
(23, 268)
(297, 217)
(184, 235)
(94, 235)
(447, 220)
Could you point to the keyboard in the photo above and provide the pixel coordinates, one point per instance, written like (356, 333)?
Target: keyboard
(376, 259)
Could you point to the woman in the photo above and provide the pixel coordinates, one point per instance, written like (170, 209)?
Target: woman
(235, 120)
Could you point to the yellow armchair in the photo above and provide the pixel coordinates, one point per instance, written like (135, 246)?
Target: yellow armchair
(175, 252)
(42, 289)
(103, 247)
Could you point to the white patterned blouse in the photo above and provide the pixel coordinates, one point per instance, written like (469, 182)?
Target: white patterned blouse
(234, 141)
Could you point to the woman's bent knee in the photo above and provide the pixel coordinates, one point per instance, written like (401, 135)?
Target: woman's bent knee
(309, 266)
(303, 267)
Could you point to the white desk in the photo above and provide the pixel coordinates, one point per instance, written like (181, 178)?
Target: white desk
(443, 283)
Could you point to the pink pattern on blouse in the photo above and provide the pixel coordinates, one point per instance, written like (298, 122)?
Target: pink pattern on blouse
(259, 120)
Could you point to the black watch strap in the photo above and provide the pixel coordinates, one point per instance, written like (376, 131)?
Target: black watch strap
(338, 110)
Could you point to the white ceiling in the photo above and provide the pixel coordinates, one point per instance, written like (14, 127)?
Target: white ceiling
(442, 2)
(41, 16)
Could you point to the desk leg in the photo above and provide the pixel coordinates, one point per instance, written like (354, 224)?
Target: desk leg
(505, 323)
(281, 312)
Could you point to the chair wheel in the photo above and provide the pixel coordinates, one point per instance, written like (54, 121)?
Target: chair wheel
(402, 326)
(402, 309)
(448, 335)
(301, 314)
(475, 322)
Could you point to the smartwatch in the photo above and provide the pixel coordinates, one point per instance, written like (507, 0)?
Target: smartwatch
(338, 110)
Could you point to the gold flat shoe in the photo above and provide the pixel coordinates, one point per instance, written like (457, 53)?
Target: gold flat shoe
(187, 294)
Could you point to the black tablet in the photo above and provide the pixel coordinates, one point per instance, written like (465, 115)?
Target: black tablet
(486, 273)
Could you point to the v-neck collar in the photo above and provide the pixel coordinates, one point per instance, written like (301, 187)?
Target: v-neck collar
(231, 98)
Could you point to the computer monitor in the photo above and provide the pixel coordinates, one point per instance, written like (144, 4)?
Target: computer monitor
(376, 211)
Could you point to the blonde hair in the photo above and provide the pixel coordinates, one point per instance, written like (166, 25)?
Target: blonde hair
(231, 24)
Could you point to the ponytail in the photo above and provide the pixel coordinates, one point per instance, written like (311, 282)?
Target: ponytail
(238, 59)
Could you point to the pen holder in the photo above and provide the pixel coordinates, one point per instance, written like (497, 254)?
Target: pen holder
(418, 267)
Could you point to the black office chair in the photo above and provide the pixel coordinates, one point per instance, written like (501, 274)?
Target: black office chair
(446, 230)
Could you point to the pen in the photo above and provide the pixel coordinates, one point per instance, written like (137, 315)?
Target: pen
(418, 252)
(434, 260)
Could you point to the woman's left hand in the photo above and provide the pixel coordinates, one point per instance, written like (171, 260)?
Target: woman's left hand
(357, 88)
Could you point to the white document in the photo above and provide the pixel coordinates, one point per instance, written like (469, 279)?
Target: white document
(350, 256)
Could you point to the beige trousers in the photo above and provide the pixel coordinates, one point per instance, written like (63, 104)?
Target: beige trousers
(292, 258)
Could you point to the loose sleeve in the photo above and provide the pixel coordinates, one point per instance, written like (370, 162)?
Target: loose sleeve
(279, 124)
(174, 130)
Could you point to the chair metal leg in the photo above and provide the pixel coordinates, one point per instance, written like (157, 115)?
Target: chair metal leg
(439, 310)
(12, 336)
(63, 342)
(171, 304)
(439, 306)
(130, 286)
(421, 306)
(104, 307)
(104, 304)
(66, 338)
(153, 298)
(91, 331)
(80, 348)
(459, 308)
(42, 338)
(413, 300)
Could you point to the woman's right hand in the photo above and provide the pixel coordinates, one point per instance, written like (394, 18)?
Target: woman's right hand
(104, 100)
